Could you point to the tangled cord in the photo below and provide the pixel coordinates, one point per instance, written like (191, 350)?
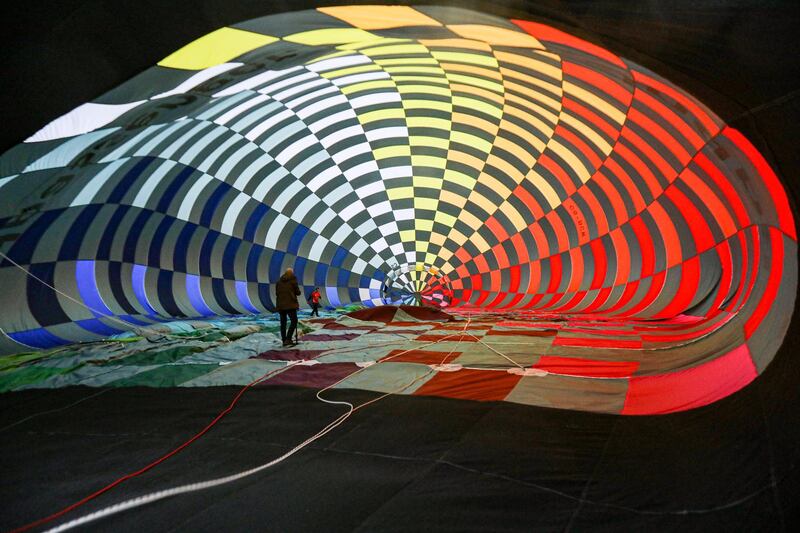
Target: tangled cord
(193, 487)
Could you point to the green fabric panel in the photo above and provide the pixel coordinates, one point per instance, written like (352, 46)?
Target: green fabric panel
(160, 357)
(26, 376)
(166, 376)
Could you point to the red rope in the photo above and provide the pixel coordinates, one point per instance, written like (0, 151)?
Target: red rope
(155, 463)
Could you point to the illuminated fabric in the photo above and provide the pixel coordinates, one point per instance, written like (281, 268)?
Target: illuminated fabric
(396, 154)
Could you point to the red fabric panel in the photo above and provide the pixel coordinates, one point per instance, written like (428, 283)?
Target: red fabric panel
(547, 33)
(694, 387)
(587, 367)
(481, 385)
(771, 290)
(771, 181)
(598, 343)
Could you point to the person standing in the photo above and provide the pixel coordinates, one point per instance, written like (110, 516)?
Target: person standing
(286, 292)
(314, 299)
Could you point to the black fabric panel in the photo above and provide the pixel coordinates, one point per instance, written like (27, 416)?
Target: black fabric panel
(401, 464)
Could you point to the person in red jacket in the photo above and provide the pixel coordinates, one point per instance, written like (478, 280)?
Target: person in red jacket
(286, 292)
(314, 301)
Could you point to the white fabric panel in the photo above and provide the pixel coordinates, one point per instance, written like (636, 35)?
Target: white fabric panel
(7, 179)
(359, 247)
(241, 108)
(358, 78)
(269, 123)
(359, 266)
(297, 102)
(185, 211)
(376, 261)
(393, 132)
(151, 183)
(274, 231)
(369, 190)
(188, 157)
(295, 148)
(348, 153)
(232, 213)
(300, 77)
(361, 169)
(255, 81)
(64, 153)
(231, 162)
(286, 195)
(396, 172)
(323, 177)
(202, 76)
(248, 173)
(96, 183)
(186, 138)
(315, 254)
(341, 234)
(149, 146)
(268, 183)
(374, 98)
(338, 62)
(330, 120)
(286, 94)
(341, 134)
(324, 219)
(305, 206)
(323, 105)
(213, 156)
(82, 119)
(404, 214)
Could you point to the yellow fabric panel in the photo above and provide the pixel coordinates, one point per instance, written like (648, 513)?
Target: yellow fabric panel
(520, 153)
(463, 57)
(385, 152)
(424, 89)
(444, 255)
(430, 258)
(466, 159)
(428, 161)
(444, 218)
(457, 43)
(471, 140)
(425, 203)
(482, 202)
(475, 81)
(368, 86)
(532, 97)
(380, 41)
(574, 162)
(477, 105)
(400, 193)
(427, 182)
(588, 131)
(333, 74)
(545, 188)
(509, 126)
(407, 235)
(494, 184)
(389, 61)
(437, 238)
(507, 168)
(431, 142)
(470, 220)
(480, 72)
(395, 50)
(495, 36)
(330, 36)
(428, 122)
(379, 17)
(416, 70)
(427, 104)
(479, 242)
(423, 225)
(582, 95)
(458, 177)
(513, 216)
(540, 67)
(524, 113)
(214, 48)
(452, 198)
(472, 120)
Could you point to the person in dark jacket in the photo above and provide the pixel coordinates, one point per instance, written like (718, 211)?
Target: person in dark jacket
(286, 292)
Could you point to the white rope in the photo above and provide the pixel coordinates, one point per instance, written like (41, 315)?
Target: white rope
(202, 485)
